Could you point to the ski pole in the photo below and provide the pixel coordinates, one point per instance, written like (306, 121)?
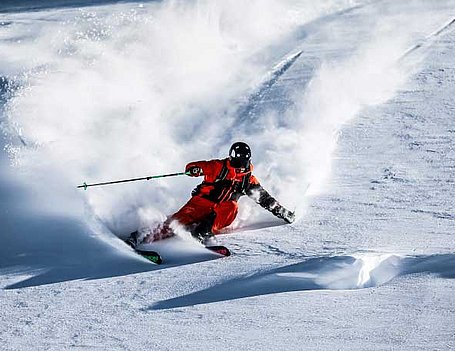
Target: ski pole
(85, 185)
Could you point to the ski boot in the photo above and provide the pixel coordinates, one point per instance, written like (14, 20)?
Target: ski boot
(133, 239)
(203, 231)
(138, 237)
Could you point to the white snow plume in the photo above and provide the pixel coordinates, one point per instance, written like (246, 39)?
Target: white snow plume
(336, 94)
(296, 146)
(345, 86)
(126, 91)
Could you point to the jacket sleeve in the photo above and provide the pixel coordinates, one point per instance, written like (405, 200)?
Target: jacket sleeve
(260, 195)
(267, 201)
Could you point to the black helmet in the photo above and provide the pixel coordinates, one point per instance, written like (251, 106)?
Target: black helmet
(239, 155)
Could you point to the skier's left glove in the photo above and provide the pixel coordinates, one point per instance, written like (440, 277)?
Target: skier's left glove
(286, 215)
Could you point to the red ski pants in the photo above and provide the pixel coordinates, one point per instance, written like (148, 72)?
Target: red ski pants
(198, 208)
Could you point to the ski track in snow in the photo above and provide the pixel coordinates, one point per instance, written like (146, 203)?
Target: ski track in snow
(372, 254)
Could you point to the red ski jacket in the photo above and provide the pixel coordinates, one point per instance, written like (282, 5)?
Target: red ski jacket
(222, 182)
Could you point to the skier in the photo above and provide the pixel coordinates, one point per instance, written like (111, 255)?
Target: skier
(213, 205)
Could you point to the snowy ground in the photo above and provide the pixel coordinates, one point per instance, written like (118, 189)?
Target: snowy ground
(369, 265)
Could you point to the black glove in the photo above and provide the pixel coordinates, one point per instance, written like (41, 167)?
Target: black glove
(193, 171)
(284, 214)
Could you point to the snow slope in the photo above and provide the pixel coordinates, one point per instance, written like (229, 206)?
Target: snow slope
(349, 109)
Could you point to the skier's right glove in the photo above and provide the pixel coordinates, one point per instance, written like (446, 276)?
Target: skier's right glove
(193, 171)
(284, 214)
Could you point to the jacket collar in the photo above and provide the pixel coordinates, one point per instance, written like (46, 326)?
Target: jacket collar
(233, 170)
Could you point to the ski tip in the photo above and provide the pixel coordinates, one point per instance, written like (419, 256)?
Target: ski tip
(219, 249)
(152, 256)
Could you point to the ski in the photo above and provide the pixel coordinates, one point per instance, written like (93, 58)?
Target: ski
(152, 256)
(156, 258)
(219, 249)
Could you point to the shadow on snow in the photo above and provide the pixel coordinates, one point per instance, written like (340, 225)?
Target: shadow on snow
(331, 273)
(49, 250)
